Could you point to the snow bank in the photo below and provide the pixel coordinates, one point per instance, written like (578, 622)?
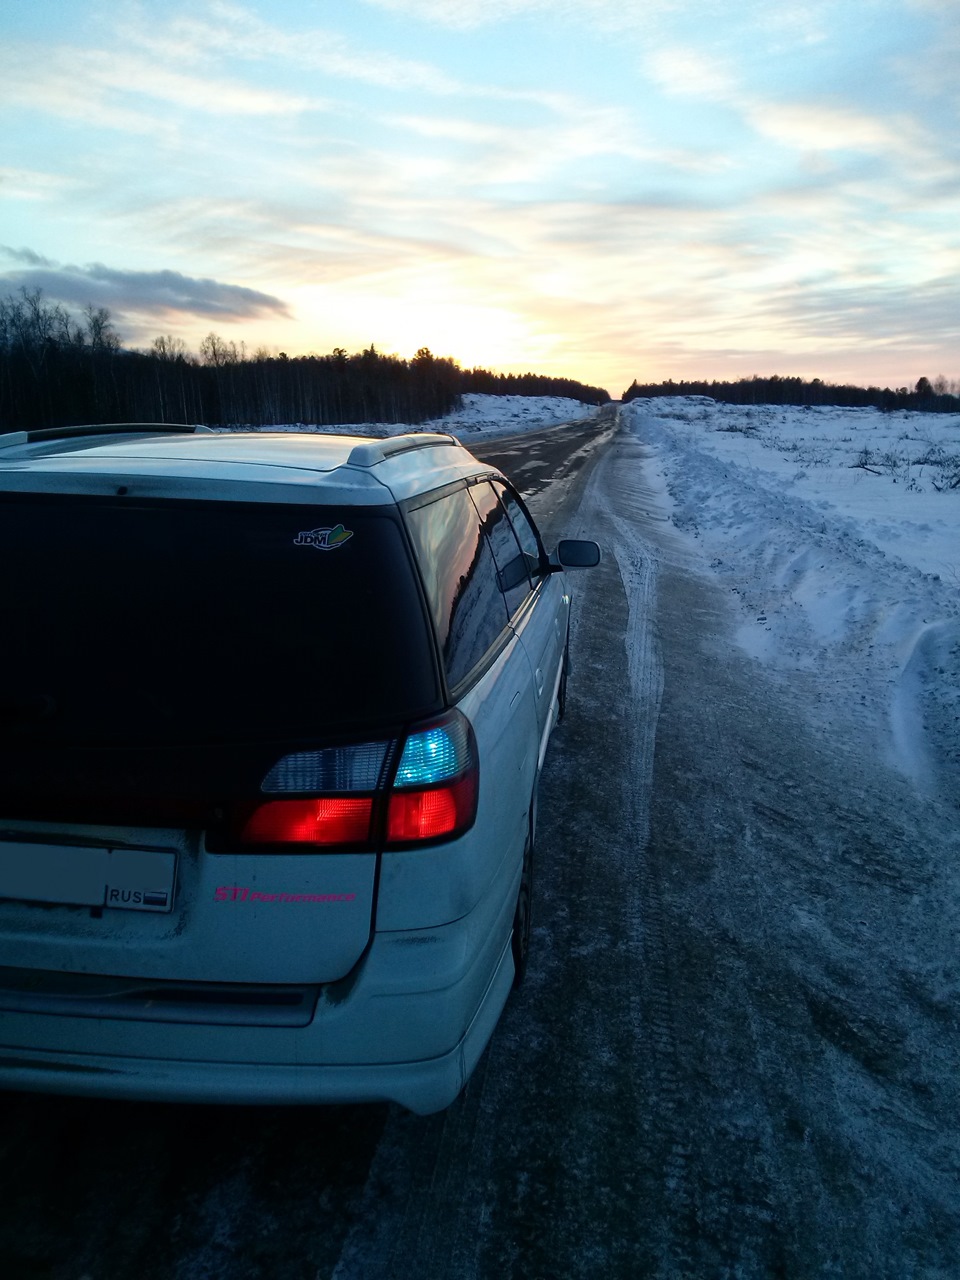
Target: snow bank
(839, 536)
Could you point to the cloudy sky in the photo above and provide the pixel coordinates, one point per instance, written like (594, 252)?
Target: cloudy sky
(604, 189)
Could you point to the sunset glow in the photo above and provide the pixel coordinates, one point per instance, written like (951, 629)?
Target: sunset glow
(598, 190)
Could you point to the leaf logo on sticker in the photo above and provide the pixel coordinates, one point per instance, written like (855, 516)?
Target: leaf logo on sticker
(323, 539)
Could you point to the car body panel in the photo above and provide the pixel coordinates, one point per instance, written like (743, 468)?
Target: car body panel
(542, 628)
(274, 918)
(420, 888)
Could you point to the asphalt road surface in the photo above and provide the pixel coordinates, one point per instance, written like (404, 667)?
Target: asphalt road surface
(720, 1064)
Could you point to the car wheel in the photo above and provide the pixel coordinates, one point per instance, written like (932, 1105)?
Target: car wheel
(520, 942)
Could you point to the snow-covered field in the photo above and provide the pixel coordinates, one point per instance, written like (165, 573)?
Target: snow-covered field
(838, 533)
(487, 417)
(490, 417)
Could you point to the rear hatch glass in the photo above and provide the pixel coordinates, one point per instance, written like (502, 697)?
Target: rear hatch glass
(158, 638)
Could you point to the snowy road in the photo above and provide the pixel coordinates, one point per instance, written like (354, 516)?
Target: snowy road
(736, 1051)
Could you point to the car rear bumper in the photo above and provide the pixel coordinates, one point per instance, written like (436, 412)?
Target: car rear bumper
(408, 1026)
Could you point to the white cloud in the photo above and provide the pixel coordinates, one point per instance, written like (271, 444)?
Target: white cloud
(815, 127)
(483, 156)
(467, 14)
(688, 72)
(818, 130)
(801, 22)
(31, 184)
(120, 90)
(234, 31)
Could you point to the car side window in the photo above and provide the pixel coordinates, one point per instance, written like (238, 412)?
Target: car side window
(525, 530)
(460, 578)
(511, 563)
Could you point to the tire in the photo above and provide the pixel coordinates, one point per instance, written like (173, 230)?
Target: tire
(520, 940)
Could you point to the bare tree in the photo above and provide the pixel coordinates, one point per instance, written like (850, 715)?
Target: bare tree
(100, 330)
(166, 347)
(213, 350)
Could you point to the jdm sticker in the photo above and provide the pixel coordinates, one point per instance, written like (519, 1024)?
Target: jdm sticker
(324, 539)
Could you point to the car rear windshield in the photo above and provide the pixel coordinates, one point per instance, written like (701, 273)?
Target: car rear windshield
(155, 622)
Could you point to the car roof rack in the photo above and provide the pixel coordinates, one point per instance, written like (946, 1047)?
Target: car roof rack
(13, 438)
(374, 451)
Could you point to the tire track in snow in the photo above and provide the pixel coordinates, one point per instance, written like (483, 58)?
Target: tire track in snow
(687, 1192)
(628, 503)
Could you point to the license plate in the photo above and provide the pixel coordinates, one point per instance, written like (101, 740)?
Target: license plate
(72, 875)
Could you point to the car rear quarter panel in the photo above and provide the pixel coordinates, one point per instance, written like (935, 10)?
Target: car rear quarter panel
(433, 886)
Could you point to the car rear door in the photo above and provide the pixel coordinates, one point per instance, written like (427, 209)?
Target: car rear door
(537, 599)
(454, 533)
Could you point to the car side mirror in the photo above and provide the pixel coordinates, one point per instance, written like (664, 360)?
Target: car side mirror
(575, 553)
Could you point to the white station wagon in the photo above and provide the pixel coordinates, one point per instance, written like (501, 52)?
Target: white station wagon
(273, 710)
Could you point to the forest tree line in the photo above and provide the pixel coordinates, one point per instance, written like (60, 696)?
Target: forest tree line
(938, 396)
(58, 369)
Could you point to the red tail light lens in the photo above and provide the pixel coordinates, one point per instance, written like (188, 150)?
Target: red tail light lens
(342, 820)
(431, 814)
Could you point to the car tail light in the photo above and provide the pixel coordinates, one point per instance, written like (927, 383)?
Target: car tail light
(358, 767)
(434, 794)
(402, 792)
(331, 820)
(431, 814)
